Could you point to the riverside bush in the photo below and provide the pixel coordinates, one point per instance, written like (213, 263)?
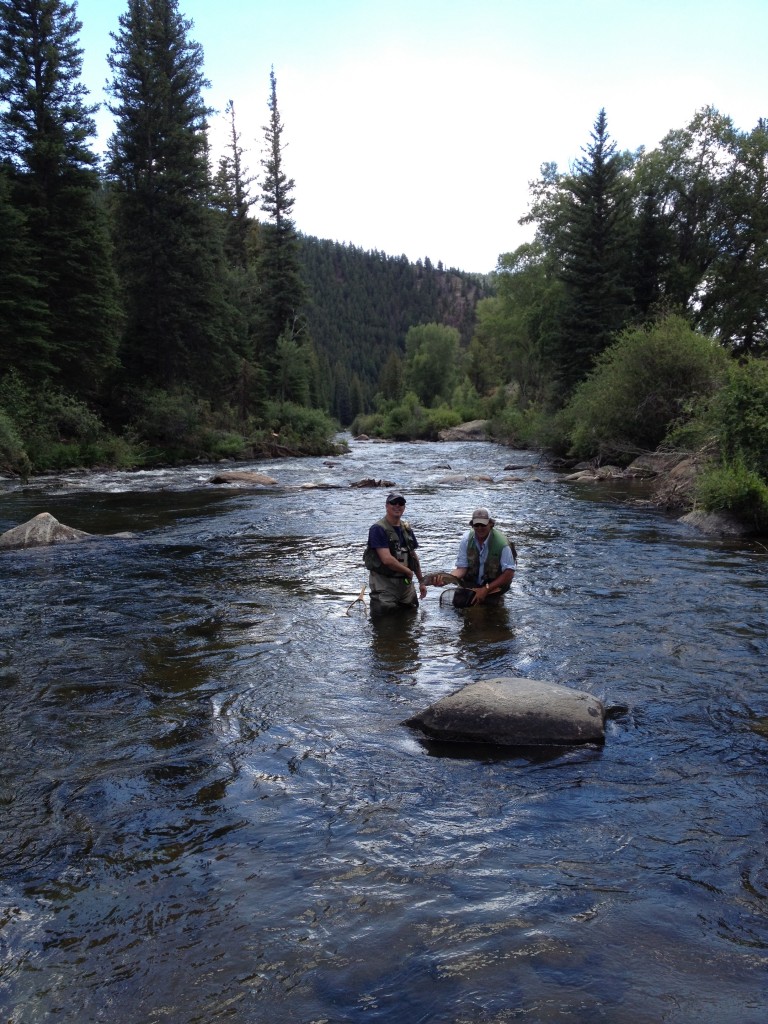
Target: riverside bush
(410, 421)
(407, 420)
(739, 414)
(529, 427)
(13, 456)
(46, 428)
(170, 420)
(735, 488)
(640, 386)
(295, 426)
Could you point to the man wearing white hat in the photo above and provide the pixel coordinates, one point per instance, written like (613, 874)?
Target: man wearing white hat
(486, 560)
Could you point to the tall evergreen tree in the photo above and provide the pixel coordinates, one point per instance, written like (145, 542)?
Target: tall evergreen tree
(281, 286)
(45, 125)
(233, 198)
(24, 340)
(342, 399)
(392, 377)
(593, 257)
(232, 185)
(179, 329)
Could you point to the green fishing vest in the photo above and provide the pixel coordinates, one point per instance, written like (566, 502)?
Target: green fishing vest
(496, 544)
(401, 552)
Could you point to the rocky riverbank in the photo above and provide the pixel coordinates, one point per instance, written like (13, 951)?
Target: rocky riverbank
(672, 478)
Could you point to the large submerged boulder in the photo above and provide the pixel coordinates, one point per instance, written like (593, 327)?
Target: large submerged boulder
(508, 711)
(42, 530)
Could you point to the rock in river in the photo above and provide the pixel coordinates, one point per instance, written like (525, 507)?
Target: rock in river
(243, 477)
(514, 712)
(44, 529)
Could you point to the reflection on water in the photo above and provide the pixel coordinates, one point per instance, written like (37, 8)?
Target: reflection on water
(395, 637)
(211, 810)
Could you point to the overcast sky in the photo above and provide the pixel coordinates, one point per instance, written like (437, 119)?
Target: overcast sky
(415, 126)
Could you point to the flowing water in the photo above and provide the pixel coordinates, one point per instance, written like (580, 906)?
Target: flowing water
(210, 810)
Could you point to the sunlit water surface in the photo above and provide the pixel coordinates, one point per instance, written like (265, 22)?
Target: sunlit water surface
(211, 810)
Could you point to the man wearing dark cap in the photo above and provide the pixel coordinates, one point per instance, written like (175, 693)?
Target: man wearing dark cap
(392, 560)
(486, 559)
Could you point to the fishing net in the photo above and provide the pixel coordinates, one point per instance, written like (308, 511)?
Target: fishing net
(358, 609)
(461, 597)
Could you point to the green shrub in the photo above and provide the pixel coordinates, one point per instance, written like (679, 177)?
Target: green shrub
(55, 430)
(368, 423)
(221, 444)
(405, 421)
(170, 419)
(740, 414)
(466, 402)
(441, 418)
(13, 456)
(18, 401)
(735, 488)
(409, 420)
(69, 418)
(177, 425)
(118, 452)
(693, 432)
(529, 427)
(640, 386)
(307, 430)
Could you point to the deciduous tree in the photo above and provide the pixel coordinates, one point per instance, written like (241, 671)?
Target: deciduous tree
(431, 362)
(734, 301)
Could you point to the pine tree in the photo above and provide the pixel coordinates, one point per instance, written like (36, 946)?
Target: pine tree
(45, 125)
(342, 398)
(391, 378)
(281, 287)
(593, 263)
(232, 185)
(24, 341)
(179, 328)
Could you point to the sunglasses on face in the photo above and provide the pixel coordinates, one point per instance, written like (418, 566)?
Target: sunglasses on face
(401, 503)
(480, 526)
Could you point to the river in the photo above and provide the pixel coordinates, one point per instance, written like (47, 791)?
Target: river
(211, 811)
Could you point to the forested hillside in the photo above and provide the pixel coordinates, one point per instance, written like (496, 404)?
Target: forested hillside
(361, 306)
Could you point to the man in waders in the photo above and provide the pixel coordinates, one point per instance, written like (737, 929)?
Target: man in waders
(392, 560)
(486, 560)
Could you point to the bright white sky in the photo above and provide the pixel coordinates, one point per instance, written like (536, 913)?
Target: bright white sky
(415, 126)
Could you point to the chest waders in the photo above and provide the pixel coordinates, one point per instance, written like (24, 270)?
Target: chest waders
(389, 589)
